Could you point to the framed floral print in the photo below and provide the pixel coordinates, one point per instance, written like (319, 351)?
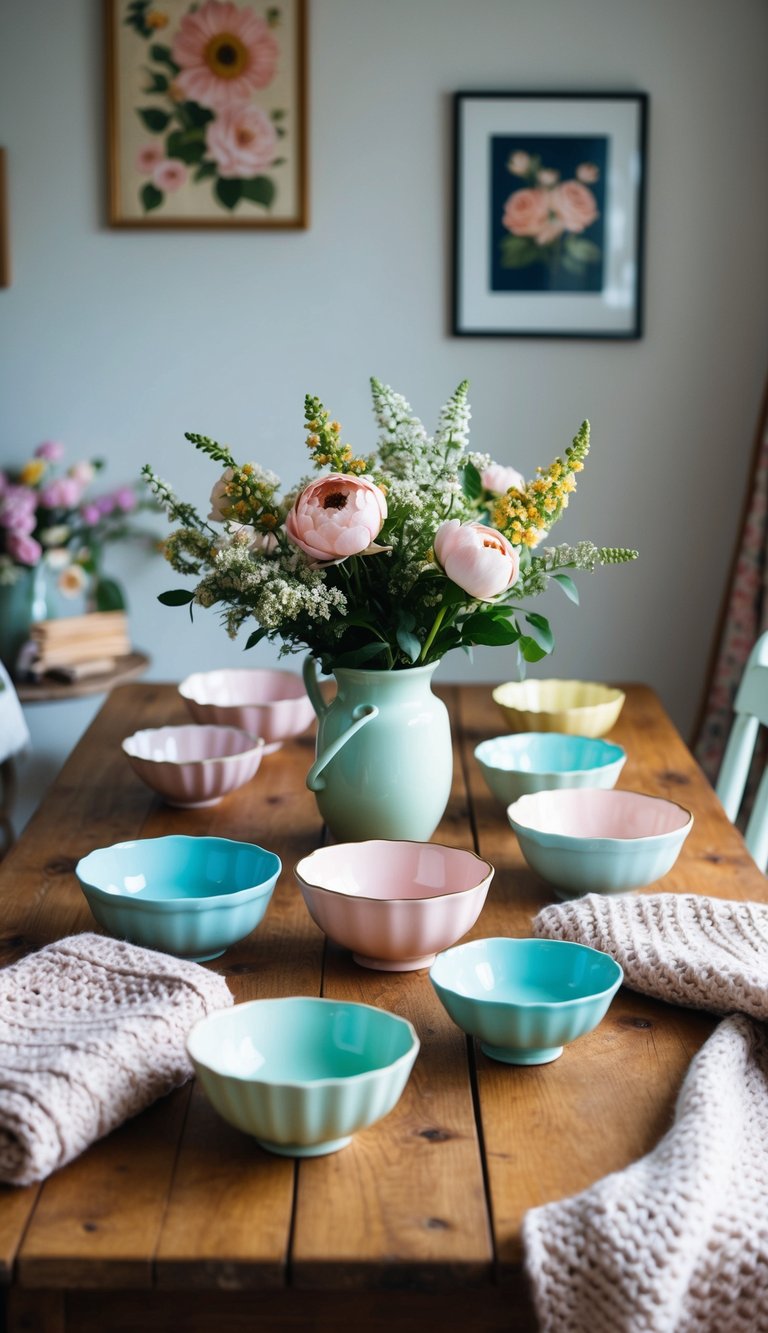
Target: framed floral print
(548, 214)
(207, 116)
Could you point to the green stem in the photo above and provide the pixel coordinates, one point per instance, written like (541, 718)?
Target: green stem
(437, 622)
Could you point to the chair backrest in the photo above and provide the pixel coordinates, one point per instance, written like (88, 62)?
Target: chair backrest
(751, 709)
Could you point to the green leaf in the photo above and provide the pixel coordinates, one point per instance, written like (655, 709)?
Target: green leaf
(542, 632)
(176, 597)
(186, 145)
(568, 586)
(256, 637)
(194, 114)
(205, 171)
(409, 644)
(158, 83)
(487, 629)
(583, 250)
(228, 191)
(530, 649)
(162, 54)
(151, 197)
(109, 596)
(153, 118)
(471, 482)
(518, 251)
(573, 266)
(259, 189)
(359, 656)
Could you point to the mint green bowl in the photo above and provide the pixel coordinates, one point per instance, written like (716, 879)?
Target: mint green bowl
(192, 897)
(301, 1074)
(516, 764)
(525, 1000)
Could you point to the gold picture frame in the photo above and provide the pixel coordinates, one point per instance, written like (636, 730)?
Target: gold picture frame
(207, 113)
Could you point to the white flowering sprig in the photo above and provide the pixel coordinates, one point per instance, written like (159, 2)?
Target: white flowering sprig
(385, 560)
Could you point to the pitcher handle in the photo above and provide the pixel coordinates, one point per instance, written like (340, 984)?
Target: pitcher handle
(362, 713)
(311, 686)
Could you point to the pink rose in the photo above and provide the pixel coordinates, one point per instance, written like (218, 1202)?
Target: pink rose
(575, 205)
(526, 211)
(17, 510)
(337, 516)
(548, 176)
(519, 163)
(588, 173)
(23, 549)
(221, 508)
(498, 479)
(148, 157)
(553, 227)
(51, 450)
(242, 141)
(169, 175)
(63, 493)
(90, 514)
(477, 558)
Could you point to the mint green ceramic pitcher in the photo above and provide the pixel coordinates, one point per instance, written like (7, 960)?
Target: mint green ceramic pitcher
(384, 758)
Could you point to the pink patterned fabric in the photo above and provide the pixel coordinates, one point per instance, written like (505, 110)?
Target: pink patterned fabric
(746, 619)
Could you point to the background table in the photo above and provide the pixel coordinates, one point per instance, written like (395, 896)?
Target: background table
(179, 1221)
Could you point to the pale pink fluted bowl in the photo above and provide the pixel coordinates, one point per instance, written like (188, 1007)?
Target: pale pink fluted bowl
(267, 703)
(193, 766)
(394, 904)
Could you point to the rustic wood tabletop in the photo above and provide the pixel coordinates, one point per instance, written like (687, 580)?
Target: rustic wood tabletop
(177, 1220)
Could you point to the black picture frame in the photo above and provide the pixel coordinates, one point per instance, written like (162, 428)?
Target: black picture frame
(549, 214)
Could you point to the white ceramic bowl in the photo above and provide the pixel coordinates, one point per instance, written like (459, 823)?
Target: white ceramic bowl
(263, 702)
(394, 904)
(592, 841)
(576, 707)
(193, 766)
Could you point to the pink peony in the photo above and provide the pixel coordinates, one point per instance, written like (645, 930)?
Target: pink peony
(90, 514)
(221, 509)
(498, 479)
(148, 157)
(83, 473)
(63, 493)
(477, 558)
(337, 516)
(18, 510)
(242, 141)
(575, 205)
(224, 53)
(526, 212)
(125, 499)
(51, 450)
(23, 548)
(169, 175)
(588, 173)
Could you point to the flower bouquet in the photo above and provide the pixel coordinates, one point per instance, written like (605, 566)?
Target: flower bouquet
(388, 560)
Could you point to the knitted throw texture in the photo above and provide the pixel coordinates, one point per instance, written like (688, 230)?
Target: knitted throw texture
(677, 1242)
(91, 1031)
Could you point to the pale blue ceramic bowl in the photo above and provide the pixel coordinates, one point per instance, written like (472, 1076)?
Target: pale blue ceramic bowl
(192, 897)
(592, 841)
(514, 765)
(525, 1000)
(301, 1074)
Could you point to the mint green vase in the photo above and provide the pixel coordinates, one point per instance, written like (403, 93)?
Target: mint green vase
(22, 603)
(384, 757)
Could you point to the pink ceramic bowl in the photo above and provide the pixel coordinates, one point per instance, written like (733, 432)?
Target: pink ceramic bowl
(266, 703)
(193, 766)
(394, 904)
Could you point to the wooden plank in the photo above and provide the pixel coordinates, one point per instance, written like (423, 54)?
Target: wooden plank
(410, 1188)
(611, 1094)
(491, 1310)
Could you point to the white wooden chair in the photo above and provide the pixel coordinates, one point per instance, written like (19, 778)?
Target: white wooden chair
(14, 737)
(751, 709)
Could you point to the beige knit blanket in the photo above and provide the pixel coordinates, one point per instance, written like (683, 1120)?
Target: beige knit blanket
(677, 1242)
(91, 1031)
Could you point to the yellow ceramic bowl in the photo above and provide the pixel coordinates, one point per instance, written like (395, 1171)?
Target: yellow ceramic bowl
(576, 707)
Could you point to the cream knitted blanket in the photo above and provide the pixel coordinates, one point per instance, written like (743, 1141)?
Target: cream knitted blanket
(91, 1031)
(677, 1242)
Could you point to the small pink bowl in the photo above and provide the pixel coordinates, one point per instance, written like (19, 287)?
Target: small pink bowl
(266, 703)
(193, 766)
(394, 904)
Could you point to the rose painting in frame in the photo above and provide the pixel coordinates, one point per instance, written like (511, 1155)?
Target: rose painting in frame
(207, 113)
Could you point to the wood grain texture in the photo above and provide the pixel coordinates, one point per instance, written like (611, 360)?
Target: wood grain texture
(178, 1220)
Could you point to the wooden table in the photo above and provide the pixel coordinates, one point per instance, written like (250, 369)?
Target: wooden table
(177, 1221)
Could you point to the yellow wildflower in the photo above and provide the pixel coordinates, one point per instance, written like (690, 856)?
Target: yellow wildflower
(156, 19)
(32, 471)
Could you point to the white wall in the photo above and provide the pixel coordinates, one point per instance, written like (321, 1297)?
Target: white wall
(117, 342)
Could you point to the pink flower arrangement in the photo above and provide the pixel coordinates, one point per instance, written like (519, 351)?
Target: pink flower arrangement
(49, 517)
(214, 109)
(546, 217)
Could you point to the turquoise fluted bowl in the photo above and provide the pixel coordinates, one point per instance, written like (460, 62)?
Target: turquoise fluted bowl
(525, 1000)
(192, 897)
(514, 765)
(301, 1074)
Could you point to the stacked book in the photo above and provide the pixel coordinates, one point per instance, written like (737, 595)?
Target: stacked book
(75, 647)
